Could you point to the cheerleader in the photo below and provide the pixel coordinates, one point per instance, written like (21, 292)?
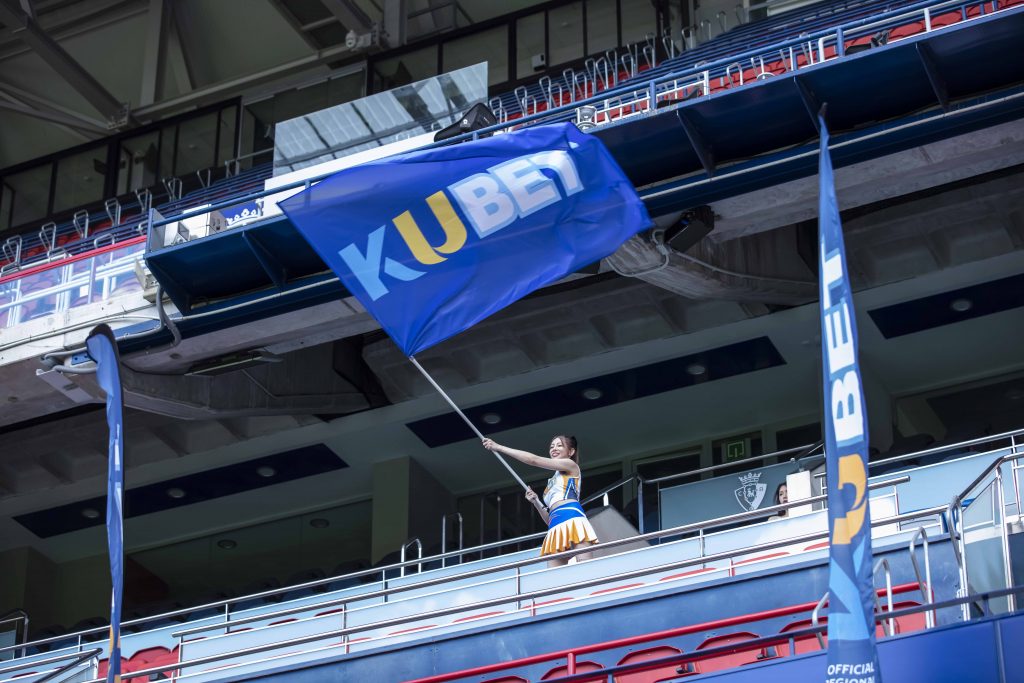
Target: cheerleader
(568, 526)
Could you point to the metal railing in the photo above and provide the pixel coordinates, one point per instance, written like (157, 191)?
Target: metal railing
(991, 477)
(682, 661)
(517, 564)
(17, 617)
(519, 598)
(457, 517)
(73, 660)
(682, 530)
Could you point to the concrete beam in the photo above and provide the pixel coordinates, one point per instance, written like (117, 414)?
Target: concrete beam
(349, 14)
(60, 61)
(296, 25)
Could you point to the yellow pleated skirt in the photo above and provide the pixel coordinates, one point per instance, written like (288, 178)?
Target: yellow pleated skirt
(567, 534)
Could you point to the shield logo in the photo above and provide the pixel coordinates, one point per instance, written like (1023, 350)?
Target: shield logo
(751, 492)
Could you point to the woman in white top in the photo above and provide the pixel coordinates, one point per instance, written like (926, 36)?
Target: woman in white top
(568, 526)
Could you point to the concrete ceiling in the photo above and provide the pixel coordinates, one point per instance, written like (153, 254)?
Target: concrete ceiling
(67, 68)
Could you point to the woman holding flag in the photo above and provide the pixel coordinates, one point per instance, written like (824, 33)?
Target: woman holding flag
(568, 526)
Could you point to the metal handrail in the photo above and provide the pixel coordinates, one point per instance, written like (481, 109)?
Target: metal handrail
(926, 586)
(712, 468)
(950, 447)
(611, 487)
(419, 549)
(675, 531)
(444, 533)
(814, 618)
(883, 563)
(15, 615)
(686, 528)
(678, 530)
(494, 602)
(75, 657)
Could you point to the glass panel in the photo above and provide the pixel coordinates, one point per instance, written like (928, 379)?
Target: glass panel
(490, 47)
(377, 120)
(638, 19)
(565, 33)
(226, 150)
(31, 193)
(137, 164)
(983, 548)
(80, 179)
(196, 144)
(602, 26)
(529, 43)
(413, 66)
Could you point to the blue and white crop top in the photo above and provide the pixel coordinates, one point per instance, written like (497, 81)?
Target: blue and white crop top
(561, 487)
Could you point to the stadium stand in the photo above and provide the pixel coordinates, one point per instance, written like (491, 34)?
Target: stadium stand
(750, 583)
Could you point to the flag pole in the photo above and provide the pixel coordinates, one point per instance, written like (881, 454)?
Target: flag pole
(476, 431)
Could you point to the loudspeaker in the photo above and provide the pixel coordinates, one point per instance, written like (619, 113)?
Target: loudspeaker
(479, 116)
(691, 228)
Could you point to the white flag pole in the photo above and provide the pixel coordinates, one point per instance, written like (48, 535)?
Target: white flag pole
(476, 431)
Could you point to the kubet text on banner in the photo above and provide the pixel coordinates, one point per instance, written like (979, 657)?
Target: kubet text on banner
(852, 653)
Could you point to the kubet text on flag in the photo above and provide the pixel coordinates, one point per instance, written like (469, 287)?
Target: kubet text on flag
(852, 654)
(433, 241)
(102, 348)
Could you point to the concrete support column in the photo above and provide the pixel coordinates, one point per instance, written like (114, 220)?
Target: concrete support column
(408, 502)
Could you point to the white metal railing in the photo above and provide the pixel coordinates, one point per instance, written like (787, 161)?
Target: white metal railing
(701, 558)
(697, 528)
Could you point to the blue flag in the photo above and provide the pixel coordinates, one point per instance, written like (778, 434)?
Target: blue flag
(851, 623)
(103, 349)
(431, 242)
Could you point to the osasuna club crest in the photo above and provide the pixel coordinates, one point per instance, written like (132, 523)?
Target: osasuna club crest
(751, 491)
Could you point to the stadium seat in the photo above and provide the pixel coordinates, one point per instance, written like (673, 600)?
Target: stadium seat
(802, 644)
(581, 667)
(728, 660)
(663, 673)
(908, 623)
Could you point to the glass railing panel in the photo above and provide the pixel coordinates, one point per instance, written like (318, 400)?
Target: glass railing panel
(73, 284)
(983, 517)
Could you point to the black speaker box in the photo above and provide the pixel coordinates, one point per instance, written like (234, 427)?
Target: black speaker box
(479, 116)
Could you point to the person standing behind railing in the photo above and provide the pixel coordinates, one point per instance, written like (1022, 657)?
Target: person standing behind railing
(568, 526)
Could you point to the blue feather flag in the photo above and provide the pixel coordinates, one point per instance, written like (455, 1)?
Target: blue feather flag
(852, 654)
(102, 348)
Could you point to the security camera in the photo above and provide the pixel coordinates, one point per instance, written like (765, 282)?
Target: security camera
(351, 39)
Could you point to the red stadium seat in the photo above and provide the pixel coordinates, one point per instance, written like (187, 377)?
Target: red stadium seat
(663, 673)
(581, 667)
(802, 644)
(506, 679)
(729, 660)
(909, 623)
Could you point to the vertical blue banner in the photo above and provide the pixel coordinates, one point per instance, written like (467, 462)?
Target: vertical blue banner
(103, 349)
(852, 657)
